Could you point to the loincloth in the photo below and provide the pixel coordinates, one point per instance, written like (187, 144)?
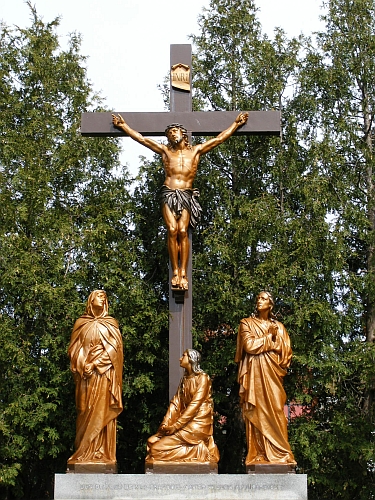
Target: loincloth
(180, 199)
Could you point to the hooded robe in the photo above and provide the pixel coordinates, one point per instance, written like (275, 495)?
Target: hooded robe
(99, 396)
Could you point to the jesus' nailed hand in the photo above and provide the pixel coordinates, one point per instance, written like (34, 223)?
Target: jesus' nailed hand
(180, 206)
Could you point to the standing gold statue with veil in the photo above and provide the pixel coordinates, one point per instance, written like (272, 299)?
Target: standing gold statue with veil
(264, 354)
(185, 435)
(96, 360)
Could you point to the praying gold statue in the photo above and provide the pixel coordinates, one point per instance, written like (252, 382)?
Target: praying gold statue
(180, 206)
(96, 360)
(264, 354)
(185, 435)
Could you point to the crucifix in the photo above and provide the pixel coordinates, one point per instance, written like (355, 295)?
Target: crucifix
(180, 124)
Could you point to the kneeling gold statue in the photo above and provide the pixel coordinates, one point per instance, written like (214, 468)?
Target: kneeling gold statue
(185, 435)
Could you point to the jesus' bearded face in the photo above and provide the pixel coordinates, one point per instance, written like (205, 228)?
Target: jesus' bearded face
(175, 135)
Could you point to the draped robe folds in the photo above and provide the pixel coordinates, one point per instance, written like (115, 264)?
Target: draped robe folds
(262, 397)
(99, 396)
(191, 413)
(182, 199)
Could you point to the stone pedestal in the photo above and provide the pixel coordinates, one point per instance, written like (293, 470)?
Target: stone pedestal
(180, 487)
(270, 469)
(159, 467)
(93, 468)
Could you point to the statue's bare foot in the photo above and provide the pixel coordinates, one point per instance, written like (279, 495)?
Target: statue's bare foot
(184, 284)
(175, 281)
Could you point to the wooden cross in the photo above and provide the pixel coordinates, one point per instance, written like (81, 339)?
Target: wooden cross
(198, 124)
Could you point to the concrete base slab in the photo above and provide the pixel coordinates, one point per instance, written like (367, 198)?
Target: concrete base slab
(159, 467)
(180, 487)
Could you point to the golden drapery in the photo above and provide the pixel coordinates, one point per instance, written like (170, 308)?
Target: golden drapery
(191, 413)
(262, 397)
(99, 396)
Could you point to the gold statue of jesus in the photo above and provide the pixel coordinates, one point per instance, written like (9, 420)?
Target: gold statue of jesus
(180, 206)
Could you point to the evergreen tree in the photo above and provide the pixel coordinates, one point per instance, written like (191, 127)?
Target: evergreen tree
(65, 230)
(275, 220)
(334, 107)
(240, 248)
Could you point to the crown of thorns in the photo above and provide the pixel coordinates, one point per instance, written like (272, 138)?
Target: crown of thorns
(175, 125)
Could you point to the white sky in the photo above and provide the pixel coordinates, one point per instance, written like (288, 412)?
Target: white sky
(120, 34)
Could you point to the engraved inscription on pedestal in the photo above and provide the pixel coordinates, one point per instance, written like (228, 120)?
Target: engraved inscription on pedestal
(180, 487)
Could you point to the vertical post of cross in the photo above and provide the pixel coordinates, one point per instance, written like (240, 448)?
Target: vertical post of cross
(180, 305)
